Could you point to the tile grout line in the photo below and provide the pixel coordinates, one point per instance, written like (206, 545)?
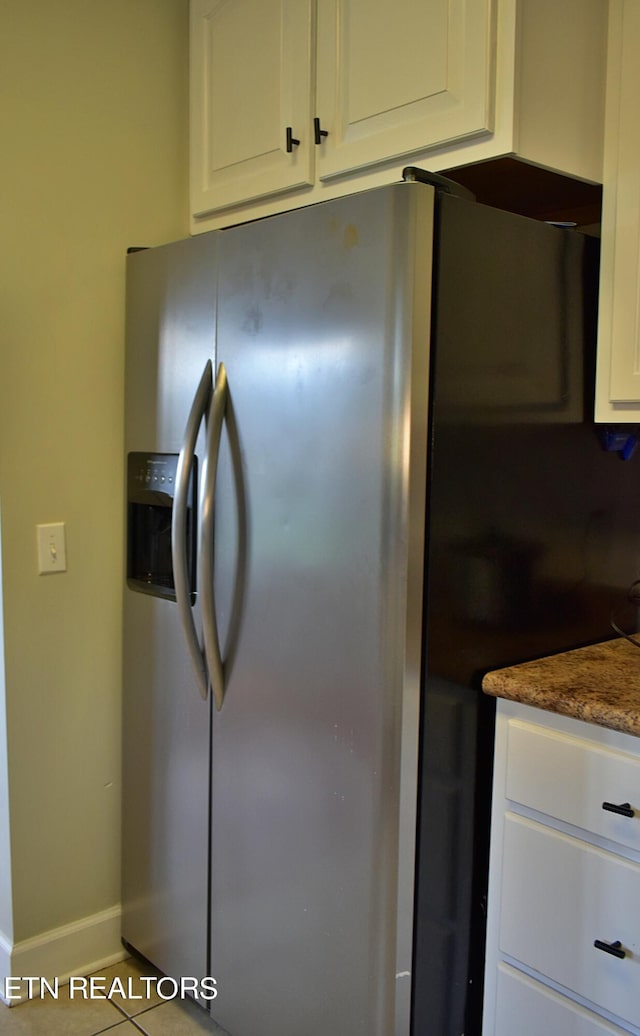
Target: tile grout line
(108, 1028)
(131, 1017)
(126, 1018)
(143, 1031)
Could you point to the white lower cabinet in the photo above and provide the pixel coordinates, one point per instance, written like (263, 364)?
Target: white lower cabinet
(528, 1008)
(563, 937)
(559, 897)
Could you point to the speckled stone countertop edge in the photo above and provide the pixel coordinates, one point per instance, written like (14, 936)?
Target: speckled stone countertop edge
(597, 684)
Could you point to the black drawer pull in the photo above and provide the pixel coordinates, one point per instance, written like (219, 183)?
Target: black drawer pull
(624, 809)
(291, 140)
(318, 133)
(614, 948)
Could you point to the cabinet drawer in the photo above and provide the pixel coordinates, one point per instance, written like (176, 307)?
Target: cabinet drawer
(528, 1008)
(569, 778)
(558, 896)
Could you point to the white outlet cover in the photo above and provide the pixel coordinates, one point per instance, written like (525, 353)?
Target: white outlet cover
(52, 549)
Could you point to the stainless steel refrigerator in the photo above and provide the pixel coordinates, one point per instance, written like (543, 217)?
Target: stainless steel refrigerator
(341, 425)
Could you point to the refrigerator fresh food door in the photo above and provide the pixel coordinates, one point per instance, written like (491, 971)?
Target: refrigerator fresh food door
(323, 328)
(166, 722)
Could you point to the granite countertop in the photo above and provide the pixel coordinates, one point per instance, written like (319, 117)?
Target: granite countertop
(597, 684)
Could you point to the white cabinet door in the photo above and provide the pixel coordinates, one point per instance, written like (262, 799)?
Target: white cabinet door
(575, 781)
(560, 895)
(250, 80)
(399, 76)
(527, 1008)
(618, 374)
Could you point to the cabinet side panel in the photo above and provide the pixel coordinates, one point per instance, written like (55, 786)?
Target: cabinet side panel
(561, 116)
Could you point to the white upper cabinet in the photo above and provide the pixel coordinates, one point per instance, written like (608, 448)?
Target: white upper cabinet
(251, 94)
(398, 75)
(618, 373)
(391, 77)
(368, 88)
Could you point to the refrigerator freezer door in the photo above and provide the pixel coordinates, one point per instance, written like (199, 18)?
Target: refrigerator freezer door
(323, 327)
(166, 723)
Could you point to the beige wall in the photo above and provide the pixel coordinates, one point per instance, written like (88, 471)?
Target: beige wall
(94, 158)
(6, 920)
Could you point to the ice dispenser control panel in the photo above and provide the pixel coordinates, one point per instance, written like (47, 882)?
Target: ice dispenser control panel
(151, 482)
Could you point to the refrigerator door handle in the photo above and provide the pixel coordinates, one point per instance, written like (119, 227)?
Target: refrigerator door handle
(209, 623)
(179, 556)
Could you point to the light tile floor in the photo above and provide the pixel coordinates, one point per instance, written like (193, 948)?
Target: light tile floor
(118, 1016)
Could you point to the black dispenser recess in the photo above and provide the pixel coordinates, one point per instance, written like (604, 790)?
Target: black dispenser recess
(151, 483)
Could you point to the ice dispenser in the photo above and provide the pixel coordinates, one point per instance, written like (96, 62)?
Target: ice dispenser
(151, 480)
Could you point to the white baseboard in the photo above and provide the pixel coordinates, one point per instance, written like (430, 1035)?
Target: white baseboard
(80, 948)
(5, 962)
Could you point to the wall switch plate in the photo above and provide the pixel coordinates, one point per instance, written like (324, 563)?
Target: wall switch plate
(52, 550)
